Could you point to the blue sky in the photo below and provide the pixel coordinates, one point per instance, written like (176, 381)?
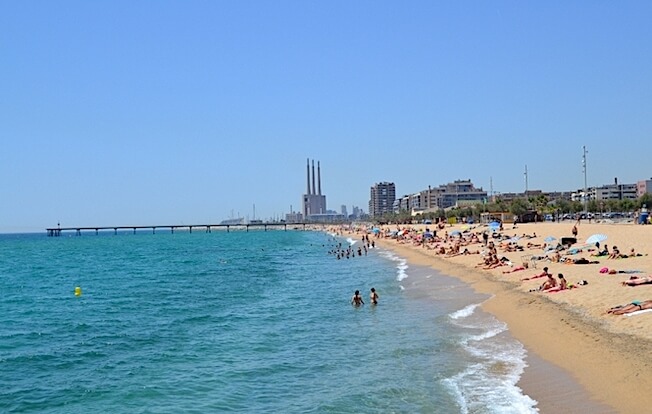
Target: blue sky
(155, 112)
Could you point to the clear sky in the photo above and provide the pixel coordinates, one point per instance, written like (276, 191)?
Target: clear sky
(159, 112)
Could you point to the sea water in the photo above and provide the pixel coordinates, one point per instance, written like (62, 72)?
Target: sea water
(251, 322)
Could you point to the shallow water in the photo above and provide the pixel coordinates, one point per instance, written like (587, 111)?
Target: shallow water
(241, 322)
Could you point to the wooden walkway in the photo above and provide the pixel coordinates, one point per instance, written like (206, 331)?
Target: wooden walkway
(56, 231)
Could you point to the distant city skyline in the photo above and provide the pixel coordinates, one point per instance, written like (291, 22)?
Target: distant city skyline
(138, 113)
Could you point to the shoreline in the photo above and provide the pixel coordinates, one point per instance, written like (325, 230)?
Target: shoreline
(608, 356)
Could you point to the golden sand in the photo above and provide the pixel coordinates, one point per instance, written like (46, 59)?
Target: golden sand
(609, 355)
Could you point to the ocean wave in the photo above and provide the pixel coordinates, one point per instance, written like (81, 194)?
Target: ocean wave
(464, 312)
(489, 383)
(401, 267)
(480, 389)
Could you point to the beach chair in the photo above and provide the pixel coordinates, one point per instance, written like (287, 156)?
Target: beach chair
(530, 260)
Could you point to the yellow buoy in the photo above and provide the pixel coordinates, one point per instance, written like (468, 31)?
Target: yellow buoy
(77, 291)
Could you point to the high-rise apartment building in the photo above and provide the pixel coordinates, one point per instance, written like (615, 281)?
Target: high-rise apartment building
(382, 199)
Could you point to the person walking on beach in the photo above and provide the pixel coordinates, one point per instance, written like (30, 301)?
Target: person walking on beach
(374, 297)
(356, 300)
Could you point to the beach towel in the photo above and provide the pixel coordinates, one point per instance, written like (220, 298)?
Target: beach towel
(638, 312)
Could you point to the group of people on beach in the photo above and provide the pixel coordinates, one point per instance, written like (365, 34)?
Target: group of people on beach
(356, 299)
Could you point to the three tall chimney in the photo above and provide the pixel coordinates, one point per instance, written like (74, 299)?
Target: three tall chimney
(315, 189)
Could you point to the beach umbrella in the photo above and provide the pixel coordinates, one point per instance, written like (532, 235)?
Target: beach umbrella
(596, 238)
(549, 239)
(376, 230)
(514, 239)
(427, 235)
(494, 225)
(455, 233)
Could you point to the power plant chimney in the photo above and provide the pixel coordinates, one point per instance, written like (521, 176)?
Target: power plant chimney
(308, 174)
(318, 179)
(313, 178)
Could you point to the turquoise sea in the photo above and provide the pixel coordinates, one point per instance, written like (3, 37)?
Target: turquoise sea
(246, 322)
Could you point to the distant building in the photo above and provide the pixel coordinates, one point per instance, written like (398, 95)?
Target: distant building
(382, 199)
(313, 201)
(613, 191)
(234, 221)
(457, 193)
(330, 217)
(616, 191)
(643, 187)
(294, 217)
(344, 213)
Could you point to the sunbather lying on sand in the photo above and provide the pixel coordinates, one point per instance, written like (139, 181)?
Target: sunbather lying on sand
(515, 269)
(630, 307)
(542, 274)
(581, 260)
(635, 281)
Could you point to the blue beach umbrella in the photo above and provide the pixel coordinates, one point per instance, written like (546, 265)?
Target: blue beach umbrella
(427, 235)
(455, 233)
(494, 225)
(549, 239)
(376, 230)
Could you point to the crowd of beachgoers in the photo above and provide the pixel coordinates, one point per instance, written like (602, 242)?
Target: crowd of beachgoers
(571, 290)
(527, 254)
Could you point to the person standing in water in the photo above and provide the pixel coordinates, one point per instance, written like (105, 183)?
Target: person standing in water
(356, 300)
(374, 297)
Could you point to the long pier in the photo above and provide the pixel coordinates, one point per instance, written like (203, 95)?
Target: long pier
(56, 231)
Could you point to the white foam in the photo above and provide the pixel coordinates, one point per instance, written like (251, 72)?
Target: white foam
(401, 267)
(351, 241)
(488, 384)
(464, 312)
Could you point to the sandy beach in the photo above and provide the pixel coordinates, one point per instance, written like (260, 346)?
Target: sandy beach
(609, 355)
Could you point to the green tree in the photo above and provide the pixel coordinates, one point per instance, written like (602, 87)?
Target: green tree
(519, 207)
(564, 206)
(593, 206)
(627, 205)
(645, 199)
(576, 206)
(613, 205)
